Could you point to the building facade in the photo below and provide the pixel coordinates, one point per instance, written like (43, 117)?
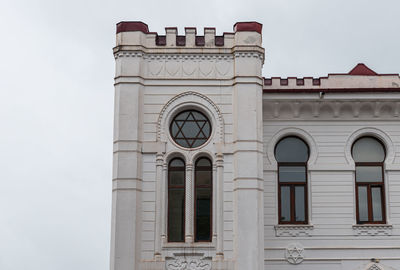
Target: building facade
(216, 167)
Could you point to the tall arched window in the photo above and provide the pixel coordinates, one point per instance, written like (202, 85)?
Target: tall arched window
(203, 200)
(292, 154)
(369, 155)
(176, 200)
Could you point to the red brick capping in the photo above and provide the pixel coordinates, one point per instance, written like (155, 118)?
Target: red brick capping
(248, 26)
(132, 26)
(362, 69)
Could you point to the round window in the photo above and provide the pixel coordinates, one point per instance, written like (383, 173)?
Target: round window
(190, 129)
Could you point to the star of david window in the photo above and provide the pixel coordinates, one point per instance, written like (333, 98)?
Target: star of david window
(190, 129)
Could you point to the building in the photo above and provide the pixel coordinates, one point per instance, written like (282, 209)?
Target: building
(216, 167)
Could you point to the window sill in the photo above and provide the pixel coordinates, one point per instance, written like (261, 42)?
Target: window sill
(206, 245)
(293, 230)
(372, 229)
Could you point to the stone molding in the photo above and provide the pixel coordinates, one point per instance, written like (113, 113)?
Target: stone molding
(293, 230)
(331, 109)
(373, 230)
(195, 100)
(188, 263)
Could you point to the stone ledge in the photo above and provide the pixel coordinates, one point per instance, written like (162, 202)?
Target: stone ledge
(372, 229)
(300, 230)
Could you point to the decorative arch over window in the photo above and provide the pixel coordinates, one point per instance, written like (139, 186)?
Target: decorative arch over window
(369, 156)
(203, 200)
(188, 101)
(292, 154)
(176, 200)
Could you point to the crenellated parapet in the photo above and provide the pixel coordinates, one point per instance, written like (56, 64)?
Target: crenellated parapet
(188, 56)
(359, 79)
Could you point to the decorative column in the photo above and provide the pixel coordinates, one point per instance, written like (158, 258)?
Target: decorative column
(164, 204)
(219, 205)
(158, 225)
(189, 190)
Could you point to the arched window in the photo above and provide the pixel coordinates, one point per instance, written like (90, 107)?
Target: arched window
(176, 200)
(292, 154)
(203, 200)
(369, 155)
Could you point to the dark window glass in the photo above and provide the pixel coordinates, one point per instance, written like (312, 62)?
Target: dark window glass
(376, 203)
(292, 155)
(285, 203)
(292, 174)
(299, 202)
(368, 149)
(190, 129)
(363, 203)
(369, 173)
(369, 155)
(291, 149)
(176, 200)
(203, 199)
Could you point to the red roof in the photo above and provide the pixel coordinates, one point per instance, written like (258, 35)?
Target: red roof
(362, 69)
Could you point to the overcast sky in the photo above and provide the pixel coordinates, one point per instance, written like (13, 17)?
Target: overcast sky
(56, 101)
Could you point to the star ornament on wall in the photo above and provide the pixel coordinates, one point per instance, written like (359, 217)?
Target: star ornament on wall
(294, 253)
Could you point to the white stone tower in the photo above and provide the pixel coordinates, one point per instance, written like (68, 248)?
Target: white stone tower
(157, 78)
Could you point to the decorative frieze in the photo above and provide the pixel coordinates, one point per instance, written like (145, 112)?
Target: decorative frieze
(372, 230)
(330, 109)
(293, 230)
(188, 263)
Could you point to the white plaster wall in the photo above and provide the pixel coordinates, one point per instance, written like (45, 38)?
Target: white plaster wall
(332, 242)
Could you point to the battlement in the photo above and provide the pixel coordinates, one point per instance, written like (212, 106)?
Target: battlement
(137, 33)
(359, 79)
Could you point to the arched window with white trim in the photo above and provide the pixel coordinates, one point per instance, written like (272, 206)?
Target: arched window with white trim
(176, 200)
(369, 155)
(292, 154)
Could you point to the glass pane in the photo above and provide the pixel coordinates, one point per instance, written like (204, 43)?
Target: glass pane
(203, 177)
(177, 163)
(368, 173)
(198, 116)
(300, 203)
(176, 216)
(368, 150)
(285, 203)
(182, 116)
(292, 174)
(204, 162)
(291, 149)
(176, 177)
(198, 142)
(376, 204)
(203, 214)
(182, 142)
(362, 203)
(190, 129)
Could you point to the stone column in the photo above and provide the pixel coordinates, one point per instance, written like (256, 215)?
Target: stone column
(219, 213)
(164, 204)
(189, 191)
(158, 225)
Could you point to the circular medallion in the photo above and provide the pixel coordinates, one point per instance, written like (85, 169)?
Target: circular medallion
(190, 129)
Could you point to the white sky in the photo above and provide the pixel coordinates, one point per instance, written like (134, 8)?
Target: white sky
(56, 101)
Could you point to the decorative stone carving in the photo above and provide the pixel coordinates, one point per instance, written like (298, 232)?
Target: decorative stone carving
(188, 264)
(294, 253)
(372, 230)
(293, 230)
(374, 266)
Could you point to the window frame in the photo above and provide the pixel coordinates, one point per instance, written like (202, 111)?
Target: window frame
(184, 197)
(292, 186)
(370, 185)
(195, 199)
